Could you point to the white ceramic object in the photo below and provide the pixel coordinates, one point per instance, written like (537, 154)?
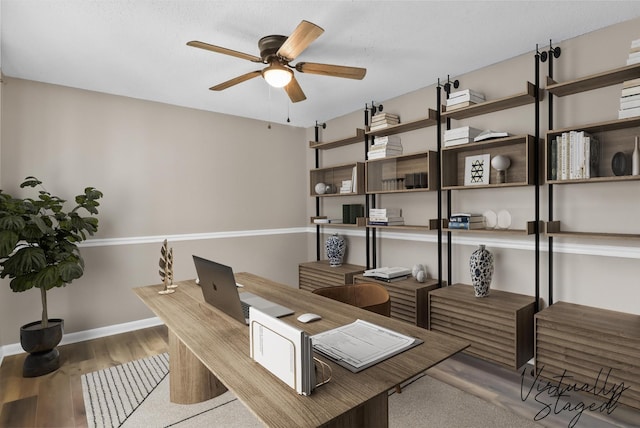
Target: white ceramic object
(490, 219)
(321, 188)
(504, 219)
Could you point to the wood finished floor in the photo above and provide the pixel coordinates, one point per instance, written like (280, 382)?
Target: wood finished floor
(55, 400)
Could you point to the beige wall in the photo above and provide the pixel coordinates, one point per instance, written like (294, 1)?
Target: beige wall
(596, 273)
(220, 186)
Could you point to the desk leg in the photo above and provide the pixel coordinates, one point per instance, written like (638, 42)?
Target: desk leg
(371, 414)
(189, 380)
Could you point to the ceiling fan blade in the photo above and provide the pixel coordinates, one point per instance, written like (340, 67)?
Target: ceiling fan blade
(332, 70)
(295, 91)
(236, 80)
(305, 33)
(218, 49)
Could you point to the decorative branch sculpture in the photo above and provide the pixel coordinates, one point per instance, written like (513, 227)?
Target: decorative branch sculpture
(166, 269)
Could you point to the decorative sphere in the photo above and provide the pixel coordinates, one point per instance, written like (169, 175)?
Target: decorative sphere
(421, 276)
(321, 188)
(500, 162)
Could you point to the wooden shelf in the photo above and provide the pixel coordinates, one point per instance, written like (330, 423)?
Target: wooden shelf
(334, 176)
(614, 136)
(430, 120)
(433, 225)
(499, 326)
(409, 298)
(313, 275)
(586, 342)
(553, 228)
(524, 98)
(519, 149)
(358, 138)
(530, 230)
(594, 81)
(394, 170)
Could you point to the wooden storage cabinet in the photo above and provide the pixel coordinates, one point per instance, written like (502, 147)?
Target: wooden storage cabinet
(499, 326)
(409, 298)
(313, 275)
(585, 341)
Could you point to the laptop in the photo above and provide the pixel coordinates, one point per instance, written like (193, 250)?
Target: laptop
(221, 291)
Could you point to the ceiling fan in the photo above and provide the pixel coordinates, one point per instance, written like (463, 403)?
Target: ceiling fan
(278, 52)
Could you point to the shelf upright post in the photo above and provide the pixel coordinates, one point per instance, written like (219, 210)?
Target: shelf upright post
(447, 89)
(544, 56)
(439, 177)
(367, 234)
(536, 168)
(317, 163)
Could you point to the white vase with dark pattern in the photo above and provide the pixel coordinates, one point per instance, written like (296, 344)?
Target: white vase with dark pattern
(481, 267)
(335, 247)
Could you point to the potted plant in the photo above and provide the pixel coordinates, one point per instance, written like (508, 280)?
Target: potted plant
(38, 248)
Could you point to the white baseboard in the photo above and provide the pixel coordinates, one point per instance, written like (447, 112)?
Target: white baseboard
(79, 336)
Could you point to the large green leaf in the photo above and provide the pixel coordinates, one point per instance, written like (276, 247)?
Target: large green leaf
(47, 278)
(22, 283)
(25, 260)
(8, 241)
(70, 271)
(11, 222)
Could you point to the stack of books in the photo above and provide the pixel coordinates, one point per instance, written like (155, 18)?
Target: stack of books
(464, 98)
(383, 120)
(466, 221)
(385, 217)
(574, 155)
(346, 186)
(630, 97)
(385, 146)
(463, 135)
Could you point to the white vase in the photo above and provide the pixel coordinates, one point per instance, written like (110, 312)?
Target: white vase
(635, 160)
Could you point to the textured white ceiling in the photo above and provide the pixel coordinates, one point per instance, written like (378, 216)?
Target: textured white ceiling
(138, 48)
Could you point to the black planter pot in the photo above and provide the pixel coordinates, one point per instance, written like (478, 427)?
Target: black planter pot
(41, 344)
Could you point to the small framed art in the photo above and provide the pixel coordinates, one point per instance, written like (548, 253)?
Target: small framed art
(477, 170)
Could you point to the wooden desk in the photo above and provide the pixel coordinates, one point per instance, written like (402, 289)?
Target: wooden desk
(203, 339)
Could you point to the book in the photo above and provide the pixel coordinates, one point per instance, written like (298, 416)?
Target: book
(382, 154)
(382, 146)
(387, 272)
(466, 218)
(386, 223)
(351, 212)
(632, 82)
(386, 219)
(631, 90)
(466, 225)
(553, 159)
(630, 112)
(458, 106)
(385, 212)
(461, 132)
(489, 134)
(464, 98)
(465, 92)
(631, 103)
(387, 139)
(457, 141)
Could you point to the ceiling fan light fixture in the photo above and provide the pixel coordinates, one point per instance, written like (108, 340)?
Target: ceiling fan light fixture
(277, 75)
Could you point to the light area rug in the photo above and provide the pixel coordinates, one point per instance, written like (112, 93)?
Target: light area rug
(136, 394)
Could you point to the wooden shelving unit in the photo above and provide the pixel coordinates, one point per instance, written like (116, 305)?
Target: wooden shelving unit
(409, 298)
(512, 101)
(530, 230)
(426, 122)
(318, 274)
(593, 81)
(358, 138)
(334, 175)
(499, 326)
(519, 149)
(586, 342)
